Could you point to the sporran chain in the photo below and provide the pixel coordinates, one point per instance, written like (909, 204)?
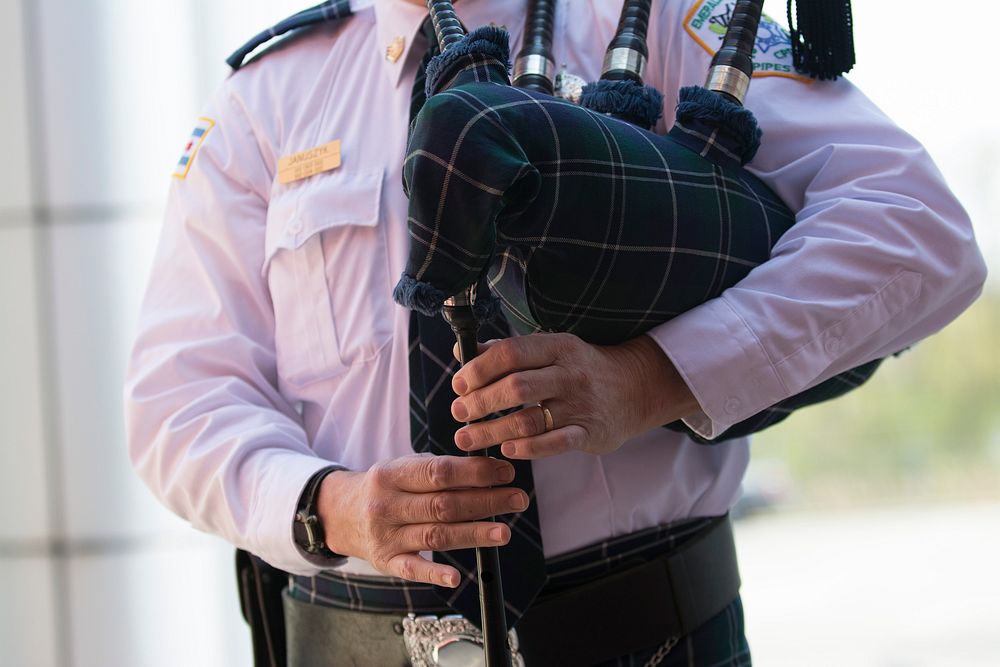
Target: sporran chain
(662, 652)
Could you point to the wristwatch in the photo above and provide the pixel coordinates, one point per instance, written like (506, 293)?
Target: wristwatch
(308, 529)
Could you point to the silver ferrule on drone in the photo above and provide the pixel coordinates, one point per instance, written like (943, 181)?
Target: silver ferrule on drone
(624, 59)
(732, 64)
(729, 81)
(534, 64)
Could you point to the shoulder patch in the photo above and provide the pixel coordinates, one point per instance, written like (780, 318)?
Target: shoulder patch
(201, 130)
(707, 21)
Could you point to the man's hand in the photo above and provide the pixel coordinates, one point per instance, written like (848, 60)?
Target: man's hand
(598, 396)
(418, 503)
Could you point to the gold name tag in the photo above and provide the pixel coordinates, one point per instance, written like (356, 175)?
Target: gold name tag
(309, 163)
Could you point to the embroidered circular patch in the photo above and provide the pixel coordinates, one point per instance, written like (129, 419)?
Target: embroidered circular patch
(708, 20)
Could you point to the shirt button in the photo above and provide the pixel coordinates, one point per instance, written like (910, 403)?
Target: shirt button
(295, 226)
(832, 345)
(733, 406)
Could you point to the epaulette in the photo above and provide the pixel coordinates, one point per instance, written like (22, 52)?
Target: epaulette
(331, 10)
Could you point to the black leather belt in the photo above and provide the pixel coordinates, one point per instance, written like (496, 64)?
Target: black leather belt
(636, 606)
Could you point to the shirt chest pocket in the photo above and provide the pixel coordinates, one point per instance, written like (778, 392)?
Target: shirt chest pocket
(327, 270)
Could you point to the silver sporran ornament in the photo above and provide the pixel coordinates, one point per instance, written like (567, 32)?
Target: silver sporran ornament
(449, 641)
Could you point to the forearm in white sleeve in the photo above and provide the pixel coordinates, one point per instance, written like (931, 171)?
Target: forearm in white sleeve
(207, 430)
(881, 254)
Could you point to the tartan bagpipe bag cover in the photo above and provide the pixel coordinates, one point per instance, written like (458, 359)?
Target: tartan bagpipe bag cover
(579, 222)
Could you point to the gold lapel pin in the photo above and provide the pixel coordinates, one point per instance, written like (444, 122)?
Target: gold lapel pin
(395, 49)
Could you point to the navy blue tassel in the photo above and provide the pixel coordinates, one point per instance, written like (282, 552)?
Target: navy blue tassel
(486, 307)
(701, 104)
(428, 300)
(642, 105)
(488, 42)
(418, 295)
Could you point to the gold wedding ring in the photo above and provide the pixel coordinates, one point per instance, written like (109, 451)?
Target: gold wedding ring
(549, 425)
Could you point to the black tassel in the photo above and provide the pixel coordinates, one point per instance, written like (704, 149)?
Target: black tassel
(822, 37)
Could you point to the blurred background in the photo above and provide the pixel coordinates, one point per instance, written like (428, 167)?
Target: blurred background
(869, 530)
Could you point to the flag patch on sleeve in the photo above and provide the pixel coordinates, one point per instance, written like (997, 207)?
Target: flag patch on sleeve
(708, 20)
(201, 130)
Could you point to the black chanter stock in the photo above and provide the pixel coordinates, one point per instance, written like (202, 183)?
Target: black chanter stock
(577, 216)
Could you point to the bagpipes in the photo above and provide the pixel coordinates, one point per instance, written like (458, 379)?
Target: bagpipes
(576, 217)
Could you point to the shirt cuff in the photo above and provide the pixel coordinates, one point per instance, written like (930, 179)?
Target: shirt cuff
(723, 363)
(278, 501)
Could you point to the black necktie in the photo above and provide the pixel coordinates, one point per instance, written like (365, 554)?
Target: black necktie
(432, 429)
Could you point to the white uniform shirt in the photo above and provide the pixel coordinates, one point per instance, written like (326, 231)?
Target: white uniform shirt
(269, 344)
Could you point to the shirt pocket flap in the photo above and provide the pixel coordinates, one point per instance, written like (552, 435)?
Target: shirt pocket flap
(335, 199)
(327, 272)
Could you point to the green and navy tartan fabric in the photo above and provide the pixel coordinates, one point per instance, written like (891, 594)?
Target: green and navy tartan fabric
(580, 222)
(432, 429)
(325, 11)
(720, 641)
(583, 223)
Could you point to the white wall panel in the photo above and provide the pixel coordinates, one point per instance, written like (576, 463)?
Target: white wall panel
(23, 501)
(15, 168)
(27, 632)
(119, 111)
(161, 608)
(116, 93)
(119, 85)
(99, 273)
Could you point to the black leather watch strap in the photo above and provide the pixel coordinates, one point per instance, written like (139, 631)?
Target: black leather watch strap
(308, 529)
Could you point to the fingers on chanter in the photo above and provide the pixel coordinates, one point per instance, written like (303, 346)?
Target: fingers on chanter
(425, 473)
(503, 357)
(449, 536)
(558, 441)
(465, 505)
(524, 423)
